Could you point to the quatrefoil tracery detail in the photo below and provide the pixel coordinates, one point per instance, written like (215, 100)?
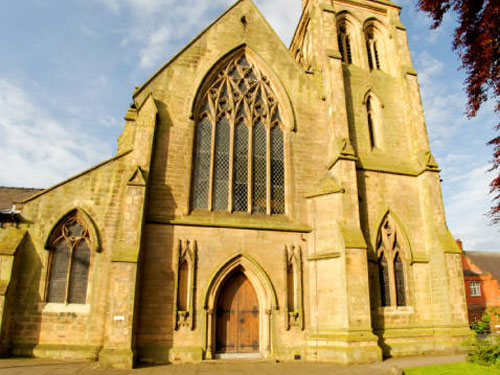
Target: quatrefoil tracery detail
(241, 93)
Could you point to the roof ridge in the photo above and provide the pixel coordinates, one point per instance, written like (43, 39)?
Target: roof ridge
(24, 188)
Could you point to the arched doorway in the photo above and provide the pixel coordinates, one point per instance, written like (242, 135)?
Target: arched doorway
(220, 283)
(237, 322)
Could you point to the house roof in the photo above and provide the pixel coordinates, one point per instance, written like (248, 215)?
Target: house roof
(10, 195)
(487, 261)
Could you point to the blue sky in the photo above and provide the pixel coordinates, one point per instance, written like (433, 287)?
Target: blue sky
(68, 69)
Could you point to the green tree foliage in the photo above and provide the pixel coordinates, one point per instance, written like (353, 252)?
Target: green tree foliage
(484, 348)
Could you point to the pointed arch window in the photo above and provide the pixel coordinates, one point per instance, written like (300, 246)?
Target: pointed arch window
(372, 49)
(69, 261)
(344, 41)
(370, 118)
(374, 120)
(391, 265)
(239, 147)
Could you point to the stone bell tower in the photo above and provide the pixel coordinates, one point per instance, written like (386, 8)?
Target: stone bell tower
(394, 244)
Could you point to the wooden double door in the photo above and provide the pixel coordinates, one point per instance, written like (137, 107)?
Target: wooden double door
(237, 316)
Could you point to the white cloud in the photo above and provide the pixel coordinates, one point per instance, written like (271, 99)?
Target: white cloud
(160, 27)
(37, 150)
(283, 22)
(112, 5)
(466, 208)
(155, 47)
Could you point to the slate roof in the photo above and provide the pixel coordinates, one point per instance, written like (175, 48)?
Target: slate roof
(10, 195)
(487, 261)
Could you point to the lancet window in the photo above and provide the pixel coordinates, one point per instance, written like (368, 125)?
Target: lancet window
(374, 120)
(391, 264)
(344, 41)
(69, 261)
(372, 49)
(371, 122)
(239, 147)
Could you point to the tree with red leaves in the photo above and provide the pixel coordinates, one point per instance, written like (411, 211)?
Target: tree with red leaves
(477, 41)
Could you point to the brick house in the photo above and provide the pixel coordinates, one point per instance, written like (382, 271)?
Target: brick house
(481, 277)
(264, 201)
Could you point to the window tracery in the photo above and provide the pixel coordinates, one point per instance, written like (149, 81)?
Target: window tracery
(239, 155)
(69, 261)
(391, 264)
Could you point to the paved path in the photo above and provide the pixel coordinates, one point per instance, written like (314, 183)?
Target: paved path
(18, 366)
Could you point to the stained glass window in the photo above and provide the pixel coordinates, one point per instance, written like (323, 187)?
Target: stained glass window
(202, 164)
(259, 173)
(221, 167)
(399, 278)
(239, 102)
(69, 262)
(277, 172)
(383, 270)
(391, 264)
(240, 179)
(58, 273)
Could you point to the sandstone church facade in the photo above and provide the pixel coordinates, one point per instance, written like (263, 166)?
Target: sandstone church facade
(264, 201)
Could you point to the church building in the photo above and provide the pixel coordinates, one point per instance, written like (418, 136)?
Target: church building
(264, 202)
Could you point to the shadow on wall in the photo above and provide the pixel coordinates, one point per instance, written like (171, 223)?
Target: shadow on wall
(377, 319)
(155, 324)
(26, 308)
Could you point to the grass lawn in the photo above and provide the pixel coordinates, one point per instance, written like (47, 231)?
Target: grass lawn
(462, 368)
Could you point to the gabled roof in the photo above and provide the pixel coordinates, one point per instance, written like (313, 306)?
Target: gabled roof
(226, 13)
(487, 261)
(10, 195)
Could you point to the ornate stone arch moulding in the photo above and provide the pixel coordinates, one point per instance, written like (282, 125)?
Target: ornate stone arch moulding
(208, 79)
(266, 294)
(412, 256)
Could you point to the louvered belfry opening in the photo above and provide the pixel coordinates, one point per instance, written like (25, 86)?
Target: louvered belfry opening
(239, 146)
(69, 262)
(372, 50)
(344, 42)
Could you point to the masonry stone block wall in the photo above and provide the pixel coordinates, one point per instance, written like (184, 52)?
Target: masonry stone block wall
(360, 185)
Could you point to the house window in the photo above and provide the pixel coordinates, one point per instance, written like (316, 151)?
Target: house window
(475, 289)
(239, 147)
(69, 262)
(391, 265)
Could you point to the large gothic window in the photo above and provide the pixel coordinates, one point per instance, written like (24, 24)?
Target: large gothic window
(239, 147)
(69, 261)
(391, 265)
